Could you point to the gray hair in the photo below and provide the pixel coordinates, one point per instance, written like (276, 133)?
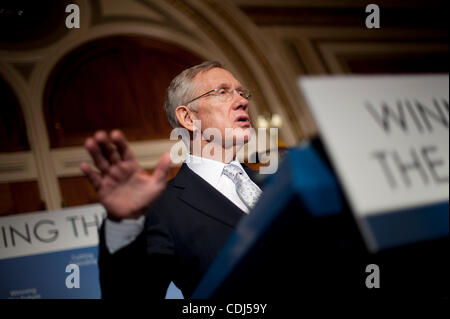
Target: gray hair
(182, 89)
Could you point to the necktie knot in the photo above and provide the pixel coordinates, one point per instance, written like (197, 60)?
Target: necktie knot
(233, 172)
(247, 191)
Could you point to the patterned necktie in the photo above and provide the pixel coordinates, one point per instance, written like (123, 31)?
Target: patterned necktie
(247, 191)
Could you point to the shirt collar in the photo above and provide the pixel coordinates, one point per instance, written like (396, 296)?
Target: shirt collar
(208, 169)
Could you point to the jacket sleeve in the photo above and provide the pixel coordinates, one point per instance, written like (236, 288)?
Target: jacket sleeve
(137, 270)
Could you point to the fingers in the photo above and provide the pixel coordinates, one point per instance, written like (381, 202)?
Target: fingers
(118, 173)
(94, 150)
(121, 143)
(162, 169)
(93, 177)
(108, 150)
(102, 151)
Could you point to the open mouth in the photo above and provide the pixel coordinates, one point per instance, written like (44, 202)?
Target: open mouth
(243, 119)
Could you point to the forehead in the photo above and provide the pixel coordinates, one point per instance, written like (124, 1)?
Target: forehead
(214, 78)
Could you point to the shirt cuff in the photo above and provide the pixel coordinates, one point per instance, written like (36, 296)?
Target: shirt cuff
(120, 234)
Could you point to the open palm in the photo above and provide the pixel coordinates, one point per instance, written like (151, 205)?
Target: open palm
(123, 187)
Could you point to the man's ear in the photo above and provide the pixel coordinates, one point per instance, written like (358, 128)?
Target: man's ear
(185, 117)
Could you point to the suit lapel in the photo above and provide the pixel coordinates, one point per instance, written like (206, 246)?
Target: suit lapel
(203, 197)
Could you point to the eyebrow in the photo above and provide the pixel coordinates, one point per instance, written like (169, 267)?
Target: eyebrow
(227, 85)
(224, 85)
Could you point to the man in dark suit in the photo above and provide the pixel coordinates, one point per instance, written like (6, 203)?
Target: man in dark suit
(155, 234)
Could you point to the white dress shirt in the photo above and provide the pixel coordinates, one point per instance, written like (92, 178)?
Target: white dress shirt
(120, 234)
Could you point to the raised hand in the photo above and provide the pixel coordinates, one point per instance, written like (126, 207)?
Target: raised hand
(123, 187)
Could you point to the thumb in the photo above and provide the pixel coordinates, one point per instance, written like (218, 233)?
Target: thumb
(162, 169)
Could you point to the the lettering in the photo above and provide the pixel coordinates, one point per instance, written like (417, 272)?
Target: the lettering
(410, 115)
(373, 19)
(73, 19)
(418, 165)
(73, 280)
(373, 279)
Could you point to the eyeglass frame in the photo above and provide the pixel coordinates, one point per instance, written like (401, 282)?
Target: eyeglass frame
(245, 91)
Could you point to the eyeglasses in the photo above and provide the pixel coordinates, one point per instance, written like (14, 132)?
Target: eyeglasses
(224, 95)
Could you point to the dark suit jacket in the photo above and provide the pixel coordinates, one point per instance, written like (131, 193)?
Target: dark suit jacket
(184, 231)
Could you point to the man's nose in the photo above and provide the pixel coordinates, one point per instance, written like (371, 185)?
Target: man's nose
(239, 101)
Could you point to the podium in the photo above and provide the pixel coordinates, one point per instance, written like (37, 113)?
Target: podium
(301, 240)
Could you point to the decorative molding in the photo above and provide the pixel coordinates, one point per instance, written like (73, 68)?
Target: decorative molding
(66, 161)
(24, 68)
(322, 50)
(116, 8)
(331, 52)
(15, 167)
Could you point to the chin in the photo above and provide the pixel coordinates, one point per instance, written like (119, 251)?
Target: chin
(247, 135)
(240, 136)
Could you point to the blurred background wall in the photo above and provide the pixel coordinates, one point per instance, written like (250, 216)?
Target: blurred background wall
(59, 85)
